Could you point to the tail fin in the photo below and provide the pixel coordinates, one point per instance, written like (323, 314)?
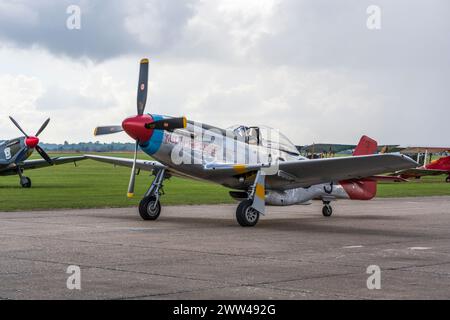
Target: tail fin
(364, 189)
(365, 147)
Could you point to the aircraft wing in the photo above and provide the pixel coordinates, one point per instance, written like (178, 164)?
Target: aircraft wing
(417, 172)
(304, 173)
(125, 162)
(39, 163)
(310, 172)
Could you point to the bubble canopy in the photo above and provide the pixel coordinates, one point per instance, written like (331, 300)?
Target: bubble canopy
(264, 136)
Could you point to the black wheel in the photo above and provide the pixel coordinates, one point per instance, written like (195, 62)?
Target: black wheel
(246, 216)
(447, 179)
(327, 210)
(149, 208)
(25, 182)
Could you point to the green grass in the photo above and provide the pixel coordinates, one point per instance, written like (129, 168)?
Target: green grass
(96, 184)
(426, 186)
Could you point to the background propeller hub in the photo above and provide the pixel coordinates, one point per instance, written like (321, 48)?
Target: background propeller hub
(135, 127)
(31, 142)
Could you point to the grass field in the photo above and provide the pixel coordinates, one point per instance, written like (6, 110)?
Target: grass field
(95, 184)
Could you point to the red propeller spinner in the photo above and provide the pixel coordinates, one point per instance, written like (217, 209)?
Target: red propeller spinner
(135, 127)
(31, 142)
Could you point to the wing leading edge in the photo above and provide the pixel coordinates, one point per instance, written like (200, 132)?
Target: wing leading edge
(125, 162)
(304, 173)
(335, 169)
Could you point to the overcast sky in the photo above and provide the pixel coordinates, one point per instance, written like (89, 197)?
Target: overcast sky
(311, 68)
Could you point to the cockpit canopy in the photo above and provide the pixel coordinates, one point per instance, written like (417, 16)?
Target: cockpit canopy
(264, 136)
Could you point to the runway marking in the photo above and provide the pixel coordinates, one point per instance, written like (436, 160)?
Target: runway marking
(352, 247)
(420, 248)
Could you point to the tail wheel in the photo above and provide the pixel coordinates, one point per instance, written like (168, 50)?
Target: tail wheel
(149, 208)
(246, 215)
(327, 210)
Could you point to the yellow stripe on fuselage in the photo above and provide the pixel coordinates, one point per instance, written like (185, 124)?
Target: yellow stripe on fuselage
(240, 168)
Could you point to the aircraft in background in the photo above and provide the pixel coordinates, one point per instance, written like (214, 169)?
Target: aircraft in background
(258, 168)
(326, 150)
(14, 152)
(424, 155)
(436, 167)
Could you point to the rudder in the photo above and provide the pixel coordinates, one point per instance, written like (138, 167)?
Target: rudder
(363, 189)
(366, 146)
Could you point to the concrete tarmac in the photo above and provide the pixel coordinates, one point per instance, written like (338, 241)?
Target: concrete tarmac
(200, 252)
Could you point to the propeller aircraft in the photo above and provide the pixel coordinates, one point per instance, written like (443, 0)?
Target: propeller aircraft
(259, 164)
(15, 152)
(436, 167)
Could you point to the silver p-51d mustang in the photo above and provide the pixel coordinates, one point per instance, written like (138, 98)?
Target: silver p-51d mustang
(259, 164)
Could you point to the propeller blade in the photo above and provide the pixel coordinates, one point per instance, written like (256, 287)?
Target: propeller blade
(130, 192)
(142, 87)
(44, 155)
(18, 127)
(107, 130)
(168, 124)
(44, 125)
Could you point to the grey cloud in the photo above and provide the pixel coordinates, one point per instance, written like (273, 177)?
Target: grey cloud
(108, 28)
(329, 34)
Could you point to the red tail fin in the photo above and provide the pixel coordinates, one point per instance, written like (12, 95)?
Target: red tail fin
(363, 189)
(365, 146)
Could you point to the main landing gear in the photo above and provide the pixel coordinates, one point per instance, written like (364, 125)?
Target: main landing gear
(447, 179)
(25, 182)
(249, 210)
(327, 210)
(246, 215)
(150, 207)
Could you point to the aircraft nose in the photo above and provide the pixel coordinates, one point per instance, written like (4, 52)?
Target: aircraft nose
(31, 142)
(135, 127)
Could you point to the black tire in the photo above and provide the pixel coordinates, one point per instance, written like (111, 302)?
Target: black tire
(246, 216)
(26, 183)
(447, 179)
(145, 208)
(327, 210)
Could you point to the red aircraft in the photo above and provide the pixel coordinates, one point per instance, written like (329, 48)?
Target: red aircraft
(434, 168)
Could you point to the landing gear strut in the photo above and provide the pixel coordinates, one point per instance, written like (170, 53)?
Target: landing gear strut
(25, 182)
(327, 210)
(150, 207)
